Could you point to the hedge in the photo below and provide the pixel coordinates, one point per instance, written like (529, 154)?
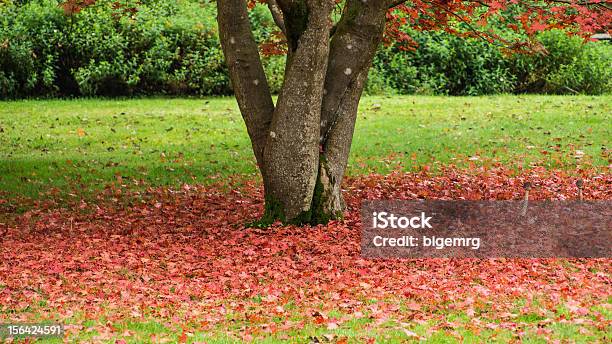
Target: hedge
(172, 47)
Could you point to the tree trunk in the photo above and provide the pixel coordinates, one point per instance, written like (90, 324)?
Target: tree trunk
(352, 50)
(302, 144)
(291, 155)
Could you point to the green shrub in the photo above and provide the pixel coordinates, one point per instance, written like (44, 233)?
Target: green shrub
(30, 48)
(589, 73)
(377, 83)
(568, 66)
(168, 47)
(172, 47)
(444, 64)
(275, 70)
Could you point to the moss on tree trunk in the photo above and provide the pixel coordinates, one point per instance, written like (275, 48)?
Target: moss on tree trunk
(324, 207)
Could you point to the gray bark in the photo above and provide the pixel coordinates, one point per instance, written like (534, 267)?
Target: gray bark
(291, 156)
(302, 144)
(277, 15)
(353, 47)
(246, 71)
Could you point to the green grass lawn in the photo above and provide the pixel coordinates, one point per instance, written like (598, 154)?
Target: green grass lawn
(80, 146)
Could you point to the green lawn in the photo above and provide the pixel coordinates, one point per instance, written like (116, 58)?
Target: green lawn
(80, 146)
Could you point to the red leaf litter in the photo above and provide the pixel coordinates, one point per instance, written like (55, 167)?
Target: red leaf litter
(185, 256)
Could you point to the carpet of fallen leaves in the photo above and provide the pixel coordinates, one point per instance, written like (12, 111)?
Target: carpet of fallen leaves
(185, 256)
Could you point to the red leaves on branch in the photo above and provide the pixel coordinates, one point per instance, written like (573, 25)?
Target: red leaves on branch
(71, 7)
(470, 18)
(462, 18)
(275, 46)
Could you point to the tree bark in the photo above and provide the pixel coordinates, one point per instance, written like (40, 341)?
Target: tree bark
(246, 71)
(291, 156)
(352, 50)
(302, 144)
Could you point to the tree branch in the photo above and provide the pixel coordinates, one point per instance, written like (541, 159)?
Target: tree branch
(295, 14)
(352, 49)
(479, 34)
(353, 46)
(277, 15)
(246, 71)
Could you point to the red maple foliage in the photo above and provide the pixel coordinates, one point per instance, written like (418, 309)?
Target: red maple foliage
(462, 18)
(470, 18)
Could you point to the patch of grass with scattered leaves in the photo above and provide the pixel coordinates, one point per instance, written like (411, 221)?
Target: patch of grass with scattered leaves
(75, 148)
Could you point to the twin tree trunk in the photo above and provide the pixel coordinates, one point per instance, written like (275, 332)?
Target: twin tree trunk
(302, 143)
